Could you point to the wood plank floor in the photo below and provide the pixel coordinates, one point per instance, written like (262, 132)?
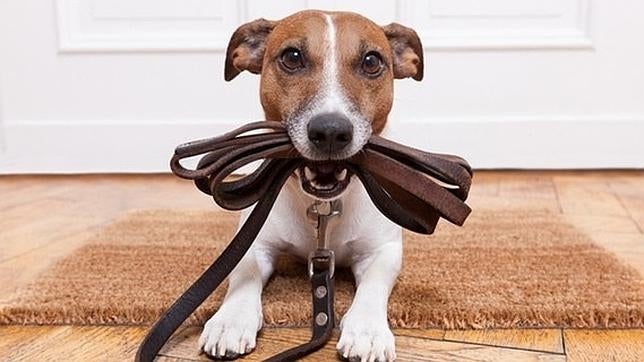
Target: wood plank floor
(43, 218)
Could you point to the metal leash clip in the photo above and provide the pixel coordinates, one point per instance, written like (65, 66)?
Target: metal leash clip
(319, 214)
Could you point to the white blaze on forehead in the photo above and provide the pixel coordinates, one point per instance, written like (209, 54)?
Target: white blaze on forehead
(332, 97)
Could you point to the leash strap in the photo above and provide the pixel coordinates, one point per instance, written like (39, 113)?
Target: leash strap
(411, 187)
(321, 272)
(322, 290)
(192, 298)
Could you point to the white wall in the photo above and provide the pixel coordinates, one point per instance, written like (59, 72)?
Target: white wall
(114, 85)
(3, 147)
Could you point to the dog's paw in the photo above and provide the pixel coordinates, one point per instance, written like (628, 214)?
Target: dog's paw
(366, 339)
(231, 332)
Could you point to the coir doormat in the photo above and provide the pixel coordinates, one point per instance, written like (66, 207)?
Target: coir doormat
(502, 270)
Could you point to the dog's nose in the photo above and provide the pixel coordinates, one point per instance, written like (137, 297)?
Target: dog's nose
(330, 132)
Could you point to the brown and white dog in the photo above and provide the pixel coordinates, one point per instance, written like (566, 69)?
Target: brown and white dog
(329, 77)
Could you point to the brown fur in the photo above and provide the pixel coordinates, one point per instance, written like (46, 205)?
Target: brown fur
(246, 48)
(282, 94)
(373, 97)
(407, 51)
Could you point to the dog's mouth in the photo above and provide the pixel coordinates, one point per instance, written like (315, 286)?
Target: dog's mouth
(324, 179)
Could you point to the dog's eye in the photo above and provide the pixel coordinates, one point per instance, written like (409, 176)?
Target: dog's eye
(372, 64)
(291, 59)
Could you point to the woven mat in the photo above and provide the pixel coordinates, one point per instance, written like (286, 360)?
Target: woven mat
(502, 270)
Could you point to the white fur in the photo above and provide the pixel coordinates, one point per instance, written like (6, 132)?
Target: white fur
(362, 238)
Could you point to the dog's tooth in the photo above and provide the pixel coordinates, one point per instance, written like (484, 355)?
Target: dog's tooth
(326, 187)
(320, 186)
(342, 175)
(308, 173)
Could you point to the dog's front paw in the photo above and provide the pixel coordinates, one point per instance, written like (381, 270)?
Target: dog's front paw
(366, 339)
(231, 332)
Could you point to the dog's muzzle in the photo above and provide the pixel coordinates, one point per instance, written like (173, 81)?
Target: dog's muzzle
(329, 134)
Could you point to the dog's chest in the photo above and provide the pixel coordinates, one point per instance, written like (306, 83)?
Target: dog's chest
(352, 233)
(298, 237)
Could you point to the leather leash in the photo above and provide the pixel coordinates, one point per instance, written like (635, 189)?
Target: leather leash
(411, 187)
(321, 271)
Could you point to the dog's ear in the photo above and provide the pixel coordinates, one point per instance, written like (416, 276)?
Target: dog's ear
(407, 51)
(246, 48)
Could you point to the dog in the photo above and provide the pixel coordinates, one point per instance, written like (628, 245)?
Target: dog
(328, 76)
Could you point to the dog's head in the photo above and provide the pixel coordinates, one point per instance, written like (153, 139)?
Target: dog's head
(329, 77)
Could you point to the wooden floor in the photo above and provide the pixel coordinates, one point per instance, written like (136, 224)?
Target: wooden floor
(42, 218)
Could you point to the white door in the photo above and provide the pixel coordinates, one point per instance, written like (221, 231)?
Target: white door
(114, 85)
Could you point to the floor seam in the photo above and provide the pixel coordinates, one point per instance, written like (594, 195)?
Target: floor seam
(563, 343)
(628, 211)
(557, 195)
(488, 345)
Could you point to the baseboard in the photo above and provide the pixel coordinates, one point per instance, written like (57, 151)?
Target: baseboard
(145, 146)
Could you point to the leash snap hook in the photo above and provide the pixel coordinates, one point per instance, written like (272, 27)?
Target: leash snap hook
(319, 214)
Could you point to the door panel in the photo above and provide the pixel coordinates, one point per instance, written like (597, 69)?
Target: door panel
(114, 85)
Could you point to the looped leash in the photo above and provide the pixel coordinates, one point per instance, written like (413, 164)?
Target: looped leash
(411, 187)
